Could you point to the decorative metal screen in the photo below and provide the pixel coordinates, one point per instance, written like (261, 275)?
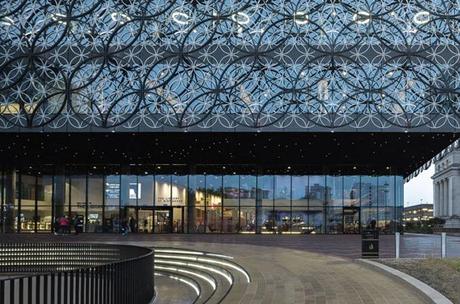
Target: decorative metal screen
(150, 64)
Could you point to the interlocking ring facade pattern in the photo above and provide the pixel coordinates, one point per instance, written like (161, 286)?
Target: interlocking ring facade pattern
(228, 64)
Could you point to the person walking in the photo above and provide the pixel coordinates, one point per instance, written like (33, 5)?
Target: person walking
(132, 224)
(64, 224)
(78, 224)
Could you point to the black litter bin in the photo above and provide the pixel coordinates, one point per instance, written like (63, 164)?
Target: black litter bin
(370, 244)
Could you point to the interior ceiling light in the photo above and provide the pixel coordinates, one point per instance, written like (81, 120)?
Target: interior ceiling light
(120, 17)
(362, 17)
(241, 18)
(421, 18)
(300, 18)
(6, 21)
(180, 18)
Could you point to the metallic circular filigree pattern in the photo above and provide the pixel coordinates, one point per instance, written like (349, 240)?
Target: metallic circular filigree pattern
(128, 64)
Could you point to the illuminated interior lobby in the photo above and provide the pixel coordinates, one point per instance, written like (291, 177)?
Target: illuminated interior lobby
(256, 117)
(314, 187)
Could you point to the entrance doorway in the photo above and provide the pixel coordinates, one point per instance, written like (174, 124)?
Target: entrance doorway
(351, 220)
(146, 219)
(162, 219)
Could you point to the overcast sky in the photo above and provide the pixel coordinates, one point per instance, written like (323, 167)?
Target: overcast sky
(419, 189)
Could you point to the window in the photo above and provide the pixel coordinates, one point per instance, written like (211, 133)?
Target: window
(351, 193)
(213, 203)
(95, 203)
(282, 209)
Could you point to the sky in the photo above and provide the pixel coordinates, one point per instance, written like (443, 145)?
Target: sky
(420, 189)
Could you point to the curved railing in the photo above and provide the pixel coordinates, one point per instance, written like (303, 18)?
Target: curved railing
(75, 273)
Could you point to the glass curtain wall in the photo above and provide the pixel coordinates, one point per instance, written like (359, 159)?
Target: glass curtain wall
(196, 203)
(44, 203)
(149, 203)
(317, 193)
(95, 203)
(247, 195)
(112, 220)
(334, 204)
(28, 196)
(179, 203)
(231, 221)
(282, 204)
(300, 210)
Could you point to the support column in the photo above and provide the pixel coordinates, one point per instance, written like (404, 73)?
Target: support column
(446, 197)
(436, 199)
(441, 198)
(450, 196)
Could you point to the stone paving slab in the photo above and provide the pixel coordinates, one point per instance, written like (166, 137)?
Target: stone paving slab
(287, 269)
(292, 276)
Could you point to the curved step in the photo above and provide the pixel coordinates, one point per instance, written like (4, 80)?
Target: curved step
(215, 274)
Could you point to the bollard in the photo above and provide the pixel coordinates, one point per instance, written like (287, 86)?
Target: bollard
(443, 245)
(397, 236)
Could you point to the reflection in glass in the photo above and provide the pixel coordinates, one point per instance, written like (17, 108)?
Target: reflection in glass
(78, 197)
(351, 220)
(28, 196)
(299, 191)
(179, 190)
(265, 190)
(386, 202)
(334, 220)
(317, 193)
(145, 189)
(282, 209)
(213, 203)
(130, 190)
(196, 202)
(163, 190)
(247, 190)
(267, 223)
(248, 219)
(351, 191)
(300, 223)
(369, 202)
(95, 203)
(265, 204)
(334, 191)
(231, 221)
(231, 190)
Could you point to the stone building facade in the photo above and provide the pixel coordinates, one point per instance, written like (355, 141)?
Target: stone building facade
(446, 184)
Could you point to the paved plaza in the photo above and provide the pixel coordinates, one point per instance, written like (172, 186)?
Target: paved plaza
(286, 269)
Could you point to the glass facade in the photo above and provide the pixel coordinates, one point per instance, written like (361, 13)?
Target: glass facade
(174, 203)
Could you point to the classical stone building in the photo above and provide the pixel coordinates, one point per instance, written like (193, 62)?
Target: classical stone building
(446, 183)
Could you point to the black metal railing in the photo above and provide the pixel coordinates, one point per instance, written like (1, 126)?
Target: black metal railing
(73, 273)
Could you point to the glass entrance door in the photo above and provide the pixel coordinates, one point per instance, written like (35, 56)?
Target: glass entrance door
(178, 220)
(351, 221)
(162, 220)
(145, 220)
